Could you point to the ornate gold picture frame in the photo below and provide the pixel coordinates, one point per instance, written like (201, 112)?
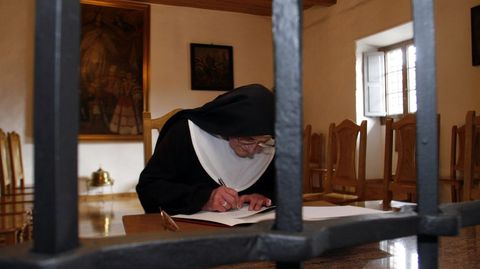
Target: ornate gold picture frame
(114, 69)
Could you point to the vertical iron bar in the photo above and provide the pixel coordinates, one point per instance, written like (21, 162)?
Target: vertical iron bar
(55, 125)
(427, 126)
(287, 27)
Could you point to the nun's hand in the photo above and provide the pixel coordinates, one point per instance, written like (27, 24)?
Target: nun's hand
(222, 199)
(255, 201)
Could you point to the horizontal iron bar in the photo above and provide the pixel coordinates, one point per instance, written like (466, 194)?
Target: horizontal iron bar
(256, 243)
(198, 250)
(468, 213)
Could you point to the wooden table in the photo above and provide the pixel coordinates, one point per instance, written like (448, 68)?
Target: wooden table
(455, 252)
(350, 257)
(148, 223)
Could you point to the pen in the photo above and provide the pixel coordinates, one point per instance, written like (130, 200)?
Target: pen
(222, 182)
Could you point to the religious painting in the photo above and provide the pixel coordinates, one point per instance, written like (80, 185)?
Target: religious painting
(113, 69)
(211, 67)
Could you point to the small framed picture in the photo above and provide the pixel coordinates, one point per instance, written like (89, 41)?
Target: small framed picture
(211, 67)
(475, 16)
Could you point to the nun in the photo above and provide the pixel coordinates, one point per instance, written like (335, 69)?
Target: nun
(217, 157)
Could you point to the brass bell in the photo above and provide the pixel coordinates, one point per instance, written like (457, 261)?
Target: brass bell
(101, 178)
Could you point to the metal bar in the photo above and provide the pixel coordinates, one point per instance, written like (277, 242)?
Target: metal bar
(291, 241)
(207, 249)
(202, 250)
(56, 125)
(287, 34)
(288, 125)
(467, 212)
(427, 126)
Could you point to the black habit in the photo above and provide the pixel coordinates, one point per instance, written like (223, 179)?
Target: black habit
(174, 180)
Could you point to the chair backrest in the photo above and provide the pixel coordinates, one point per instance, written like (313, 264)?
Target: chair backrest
(149, 125)
(5, 181)
(317, 150)
(346, 141)
(400, 140)
(472, 157)
(457, 151)
(307, 140)
(403, 133)
(16, 161)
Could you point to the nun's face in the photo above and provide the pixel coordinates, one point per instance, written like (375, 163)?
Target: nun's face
(251, 145)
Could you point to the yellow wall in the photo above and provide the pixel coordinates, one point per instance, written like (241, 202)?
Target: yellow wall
(458, 82)
(17, 20)
(329, 65)
(172, 30)
(329, 69)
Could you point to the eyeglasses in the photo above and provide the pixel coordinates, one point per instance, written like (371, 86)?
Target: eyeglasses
(248, 141)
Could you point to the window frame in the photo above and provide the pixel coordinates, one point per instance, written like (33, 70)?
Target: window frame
(375, 97)
(405, 100)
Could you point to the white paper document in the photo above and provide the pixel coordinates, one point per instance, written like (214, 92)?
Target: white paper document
(327, 212)
(244, 216)
(230, 218)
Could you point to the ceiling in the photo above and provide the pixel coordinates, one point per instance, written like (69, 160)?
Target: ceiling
(254, 7)
(391, 36)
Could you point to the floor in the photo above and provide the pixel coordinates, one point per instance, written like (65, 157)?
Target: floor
(102, 217)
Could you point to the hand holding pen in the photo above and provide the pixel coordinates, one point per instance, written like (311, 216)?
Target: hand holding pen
(222, 199)
(255, 201)
(230, 199)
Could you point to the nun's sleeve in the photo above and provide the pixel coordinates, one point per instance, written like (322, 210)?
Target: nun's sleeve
(171, 179)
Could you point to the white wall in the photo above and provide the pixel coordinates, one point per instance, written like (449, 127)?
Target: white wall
(172, 30)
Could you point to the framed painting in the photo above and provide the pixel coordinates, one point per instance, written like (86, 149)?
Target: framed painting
(475, 18)
(114, 69)
(211, 67)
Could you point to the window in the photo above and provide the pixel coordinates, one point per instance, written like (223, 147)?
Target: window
(389, 80)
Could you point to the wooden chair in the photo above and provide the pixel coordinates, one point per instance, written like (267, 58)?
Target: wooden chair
(403, 181)
(345, 180)
(307, 140)
(5, 180)
(317, 167)
(16, 228)
(308, 191)
(150, 124)
(9, 236)
(457, 156)
(11, 199)
(471, 188)
(16, 165)
(13, 206)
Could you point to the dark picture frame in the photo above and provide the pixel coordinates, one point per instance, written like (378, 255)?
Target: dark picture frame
(211, 67)
(114, 69)
(475, 17)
